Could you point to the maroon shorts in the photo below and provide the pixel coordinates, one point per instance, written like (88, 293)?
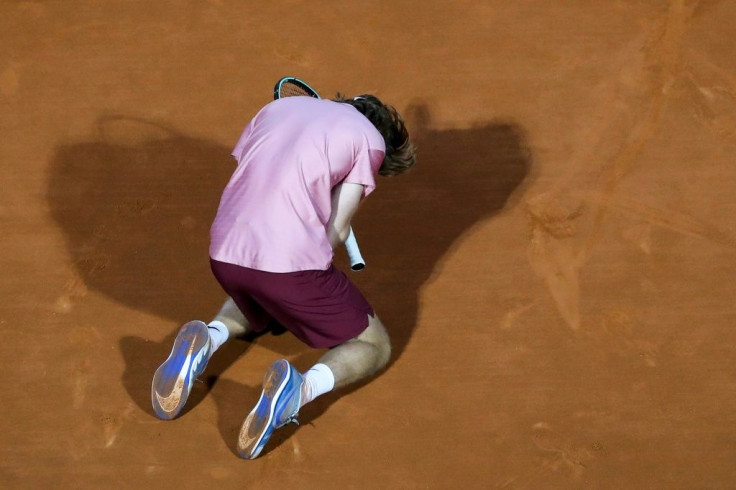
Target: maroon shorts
(322, 308)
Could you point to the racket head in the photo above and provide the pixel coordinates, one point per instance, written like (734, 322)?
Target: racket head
(291, 87)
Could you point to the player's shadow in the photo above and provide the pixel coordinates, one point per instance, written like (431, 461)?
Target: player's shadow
(462, 177)
(135, 205)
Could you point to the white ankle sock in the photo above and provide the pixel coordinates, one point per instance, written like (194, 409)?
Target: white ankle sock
(218, 334)
(317, 381)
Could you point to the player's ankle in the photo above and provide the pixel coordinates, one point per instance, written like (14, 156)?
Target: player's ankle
(218, 334)
(317, 381)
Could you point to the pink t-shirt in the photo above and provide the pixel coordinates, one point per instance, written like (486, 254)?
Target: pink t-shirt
(274, 211)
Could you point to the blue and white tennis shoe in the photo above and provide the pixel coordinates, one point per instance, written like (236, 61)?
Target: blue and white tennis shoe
(173, 380)
(278, 405)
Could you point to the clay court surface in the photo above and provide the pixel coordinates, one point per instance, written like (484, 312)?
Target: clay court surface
(557, 273)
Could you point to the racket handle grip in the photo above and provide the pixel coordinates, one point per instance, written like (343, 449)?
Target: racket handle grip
(356, 260)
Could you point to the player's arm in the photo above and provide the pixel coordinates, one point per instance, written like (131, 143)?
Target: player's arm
(345, 200)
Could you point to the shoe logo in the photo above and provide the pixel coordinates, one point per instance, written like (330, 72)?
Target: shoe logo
(170, 402)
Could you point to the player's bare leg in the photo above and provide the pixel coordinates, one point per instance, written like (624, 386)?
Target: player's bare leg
(360, 357)
(233, 319)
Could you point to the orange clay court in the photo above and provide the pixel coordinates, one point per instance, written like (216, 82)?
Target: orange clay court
(557, 274)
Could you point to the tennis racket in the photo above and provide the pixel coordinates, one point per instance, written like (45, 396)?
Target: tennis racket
(292, 87)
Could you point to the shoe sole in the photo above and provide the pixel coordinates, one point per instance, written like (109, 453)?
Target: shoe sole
(173, 380)
(258, 425)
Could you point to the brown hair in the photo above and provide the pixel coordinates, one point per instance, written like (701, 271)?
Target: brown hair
(400, 151)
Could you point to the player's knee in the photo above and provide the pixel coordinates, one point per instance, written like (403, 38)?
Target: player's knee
(376, 336)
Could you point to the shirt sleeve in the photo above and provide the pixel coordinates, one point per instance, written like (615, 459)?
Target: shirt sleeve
(366, 163)
(237, 152)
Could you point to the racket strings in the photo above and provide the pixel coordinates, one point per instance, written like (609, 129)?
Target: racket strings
(290, 89)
